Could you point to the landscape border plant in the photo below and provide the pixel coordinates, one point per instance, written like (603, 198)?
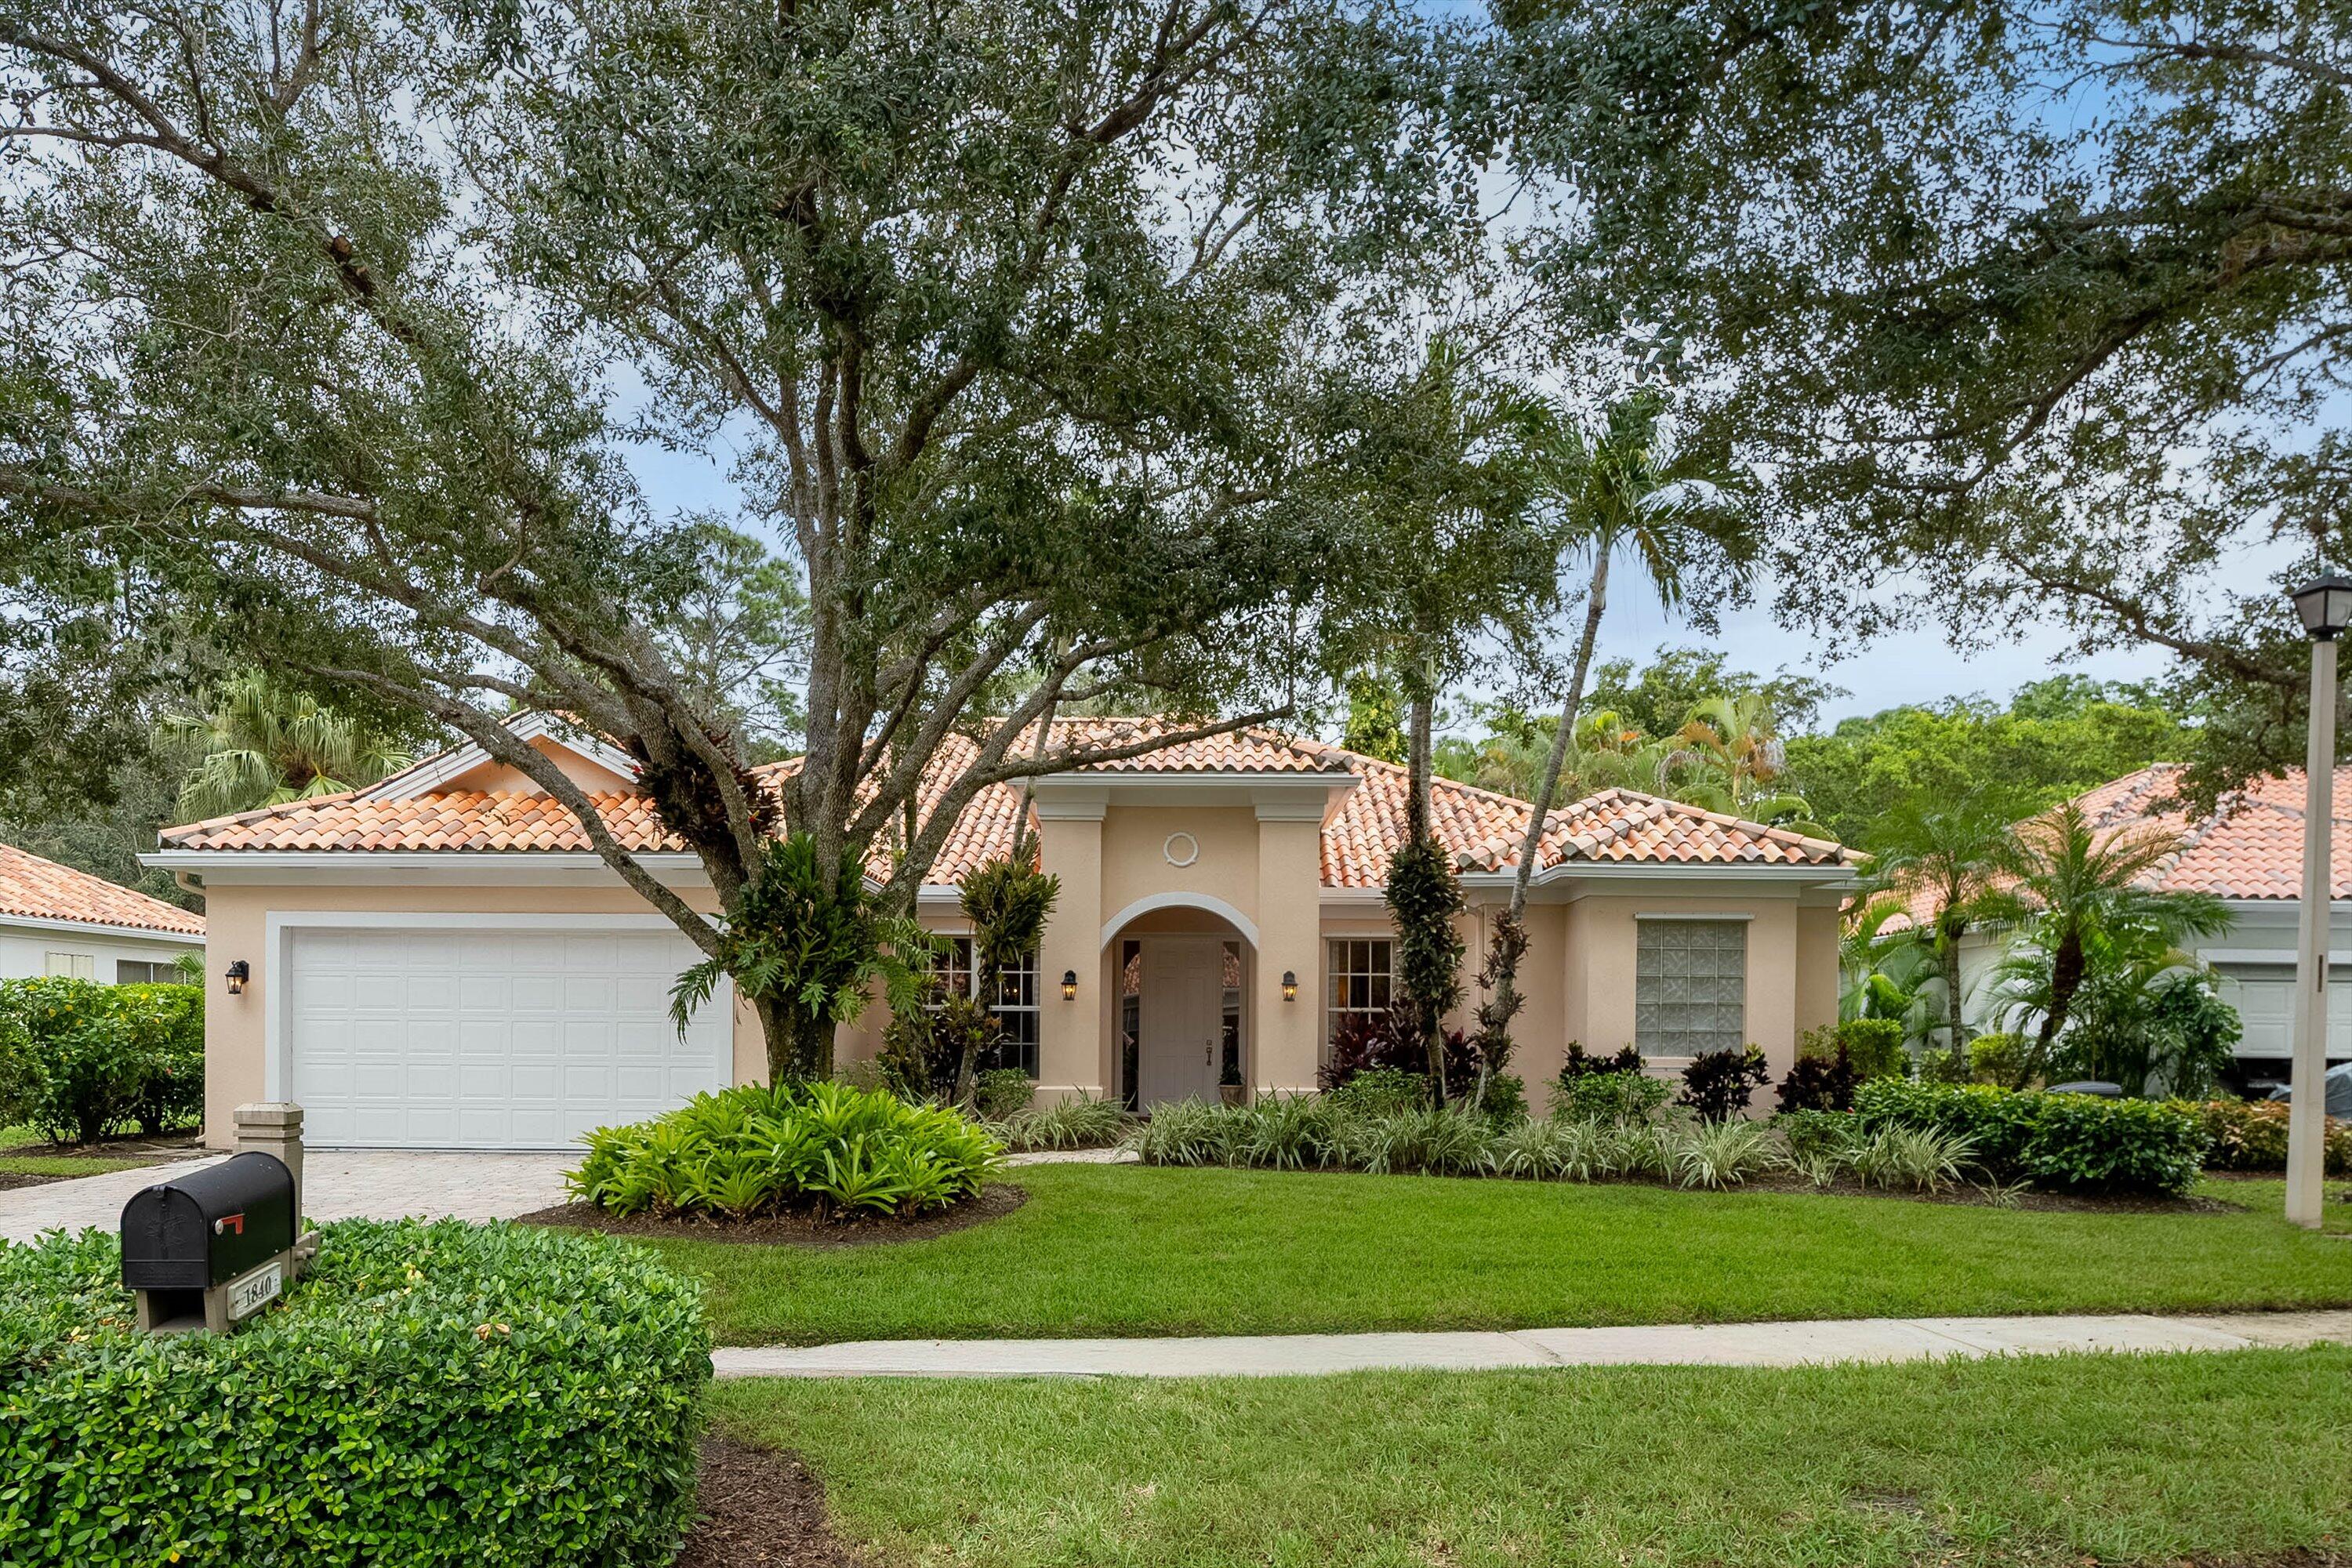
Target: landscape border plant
(496, 1396)
(2251, 1136)
(2067, 1143)
(80, 1059)
(753, 1150)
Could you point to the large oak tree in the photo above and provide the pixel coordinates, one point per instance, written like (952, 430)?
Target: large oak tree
(2033, 311)
(331, 322)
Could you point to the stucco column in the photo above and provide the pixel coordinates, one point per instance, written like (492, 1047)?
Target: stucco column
(1286, 1036)
(1070, 1051)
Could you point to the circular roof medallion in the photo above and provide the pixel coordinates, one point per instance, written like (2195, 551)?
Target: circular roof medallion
(1182, 849)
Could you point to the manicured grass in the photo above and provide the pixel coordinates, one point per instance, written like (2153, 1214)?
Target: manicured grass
(1128, 1250)
(2221, 1458)
(24, 1152)
(67, 1164)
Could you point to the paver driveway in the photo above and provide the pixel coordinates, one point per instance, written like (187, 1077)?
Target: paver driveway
(374, 1184)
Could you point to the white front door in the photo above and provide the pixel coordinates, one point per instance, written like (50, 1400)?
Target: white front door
(459, 1037)
(1181, 1018)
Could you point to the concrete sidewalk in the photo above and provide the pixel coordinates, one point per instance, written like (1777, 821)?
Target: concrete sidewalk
(1671, 1344)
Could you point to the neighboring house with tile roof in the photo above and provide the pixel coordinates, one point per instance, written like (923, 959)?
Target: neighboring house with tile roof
(55, 920)
(2247, 852)
(440, 960)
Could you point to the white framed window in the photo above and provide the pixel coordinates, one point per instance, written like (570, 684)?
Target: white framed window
(1015, 1007)
(137, 972)
(69, 965)
(1360, 974)
(1690, 986)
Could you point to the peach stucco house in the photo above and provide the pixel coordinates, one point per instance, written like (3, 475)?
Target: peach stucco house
(439, 961)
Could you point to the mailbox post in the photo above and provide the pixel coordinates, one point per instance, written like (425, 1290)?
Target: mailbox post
(213, 1247)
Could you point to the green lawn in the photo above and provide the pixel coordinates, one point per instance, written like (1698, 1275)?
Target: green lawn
(1128, 1250)
(2218, 1458)
(24, 1152)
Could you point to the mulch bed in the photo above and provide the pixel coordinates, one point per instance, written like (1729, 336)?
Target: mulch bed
(1969, 1197)
(760, 1509)
(995, 1202)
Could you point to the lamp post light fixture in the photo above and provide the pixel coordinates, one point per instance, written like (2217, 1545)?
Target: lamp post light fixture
(236, 975)
(2324, 607)
(1069, 985)
(1290, 985)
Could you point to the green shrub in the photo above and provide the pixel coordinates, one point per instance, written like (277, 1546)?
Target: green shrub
(88, 1059)
(2066, 1142)
(1191, 1133)
(497, 1397)
(1377, 1092)
(753, 1150)
(1938, 1064)
(1873, 1048)
(2251, 1136)
(1506, 1098)
(998, 1092)
(2004, 1061)
(2083, 1143)
(1997, 1122)
(1077, 1123)
(1607, 1088)
(1809, 1132)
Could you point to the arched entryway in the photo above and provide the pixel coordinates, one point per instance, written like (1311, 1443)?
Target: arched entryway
(1180, 976)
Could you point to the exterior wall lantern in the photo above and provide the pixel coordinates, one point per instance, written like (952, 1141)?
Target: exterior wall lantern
(1290, 985)
(1069, 985)
(236, 975)
(2324, 607)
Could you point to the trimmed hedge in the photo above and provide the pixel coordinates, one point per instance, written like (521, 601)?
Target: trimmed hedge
(2251, 1136)
(430, 1395)
(2076, 1143)
(753, 1150)
(78, 1059)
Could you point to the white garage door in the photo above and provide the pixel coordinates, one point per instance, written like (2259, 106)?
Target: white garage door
(489, 1039)
(2264, 995)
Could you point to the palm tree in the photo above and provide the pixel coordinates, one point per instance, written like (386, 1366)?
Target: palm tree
(1728, 759)
(2088, 893)
(1620, 488)
(1959, 859)
(264, 744)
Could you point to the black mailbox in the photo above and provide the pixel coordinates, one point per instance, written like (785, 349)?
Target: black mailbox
(208, 1226)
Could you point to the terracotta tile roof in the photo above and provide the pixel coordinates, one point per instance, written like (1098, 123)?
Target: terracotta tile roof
(1484, 830)
(2248, 847)
(35, 888)
(466, 819)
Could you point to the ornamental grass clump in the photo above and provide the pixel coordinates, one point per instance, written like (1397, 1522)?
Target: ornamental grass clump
(1082, 1122)
(1719, 1155)
(752, 1151)
(431, 1396)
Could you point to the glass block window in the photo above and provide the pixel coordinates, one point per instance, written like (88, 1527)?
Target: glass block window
(1015, 1007)
(1359, 977)
(1690, 986)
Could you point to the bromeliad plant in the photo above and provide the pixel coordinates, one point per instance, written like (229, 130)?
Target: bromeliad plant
(753, 1151)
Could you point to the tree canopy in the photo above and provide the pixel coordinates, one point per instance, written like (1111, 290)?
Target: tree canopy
(1026, 326)
(2036, 311)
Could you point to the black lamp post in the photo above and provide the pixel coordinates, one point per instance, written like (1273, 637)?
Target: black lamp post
(2324, 607)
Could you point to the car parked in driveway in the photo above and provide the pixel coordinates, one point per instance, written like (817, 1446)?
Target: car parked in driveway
(2339, 1091)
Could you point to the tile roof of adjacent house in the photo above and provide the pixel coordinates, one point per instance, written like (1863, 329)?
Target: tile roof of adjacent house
(35, 888)
(2248, 847)
(1482, 829)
